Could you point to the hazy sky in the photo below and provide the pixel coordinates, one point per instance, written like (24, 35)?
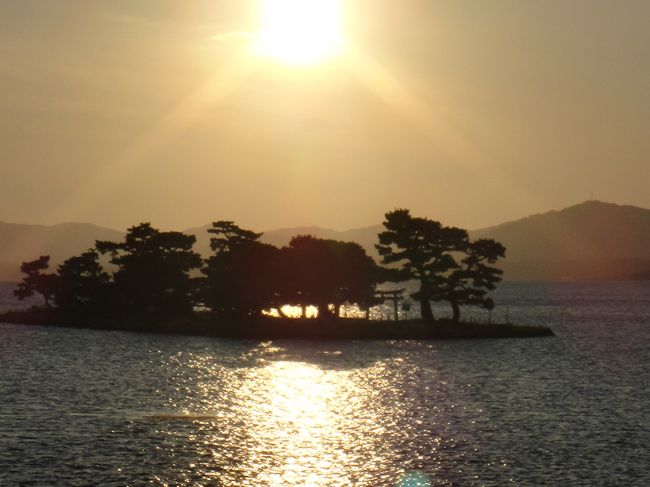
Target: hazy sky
(471, 112)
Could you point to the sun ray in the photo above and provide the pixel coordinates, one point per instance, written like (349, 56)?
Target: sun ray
(433, 119)
(436, 127)
(161, 134)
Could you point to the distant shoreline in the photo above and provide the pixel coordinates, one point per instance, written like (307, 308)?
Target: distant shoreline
(285, 328)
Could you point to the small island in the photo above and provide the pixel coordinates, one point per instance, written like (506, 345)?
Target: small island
(154, 282)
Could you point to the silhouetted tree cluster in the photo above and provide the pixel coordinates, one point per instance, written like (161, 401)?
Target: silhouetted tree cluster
(446, 263)
(152, 275)
(157, 274)
(245, 276)
(323, 272)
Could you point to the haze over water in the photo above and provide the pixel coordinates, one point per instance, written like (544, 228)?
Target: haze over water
(86, 407)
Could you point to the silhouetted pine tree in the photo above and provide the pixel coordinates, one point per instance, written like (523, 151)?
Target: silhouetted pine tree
(153, 269)
(35, 282)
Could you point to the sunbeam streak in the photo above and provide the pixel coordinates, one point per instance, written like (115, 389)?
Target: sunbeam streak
(433, 124)
(162, 133)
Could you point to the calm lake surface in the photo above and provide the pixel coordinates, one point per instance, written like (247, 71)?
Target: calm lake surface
(109, 408)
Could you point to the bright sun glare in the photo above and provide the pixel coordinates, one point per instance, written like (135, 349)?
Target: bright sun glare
(300, 32)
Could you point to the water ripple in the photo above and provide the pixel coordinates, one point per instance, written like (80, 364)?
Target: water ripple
(82, 407)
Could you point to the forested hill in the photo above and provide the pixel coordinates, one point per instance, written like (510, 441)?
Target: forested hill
(589, 240)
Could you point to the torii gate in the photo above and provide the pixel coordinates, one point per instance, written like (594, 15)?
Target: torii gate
(395, 296)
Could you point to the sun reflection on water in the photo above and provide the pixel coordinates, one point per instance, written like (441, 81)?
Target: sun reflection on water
(301, 420)
(299, 415)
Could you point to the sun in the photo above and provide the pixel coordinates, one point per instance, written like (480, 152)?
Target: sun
(300, 32)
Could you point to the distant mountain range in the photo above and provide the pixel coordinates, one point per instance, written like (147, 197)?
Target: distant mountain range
(592, 240)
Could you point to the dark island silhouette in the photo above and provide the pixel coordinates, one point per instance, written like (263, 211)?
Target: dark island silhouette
(153, 281)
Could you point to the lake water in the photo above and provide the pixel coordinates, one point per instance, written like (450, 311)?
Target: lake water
(83, 407)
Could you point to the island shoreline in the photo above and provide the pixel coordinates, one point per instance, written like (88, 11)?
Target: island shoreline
(283, 328)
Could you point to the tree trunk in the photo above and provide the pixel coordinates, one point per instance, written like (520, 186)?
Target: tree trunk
(281, 313)
(303, 314)
(423, 297)
(425, 311)
(456, 310)
(337, 310)
(324, 311)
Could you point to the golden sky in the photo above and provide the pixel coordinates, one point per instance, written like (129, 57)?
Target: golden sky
(471, 112)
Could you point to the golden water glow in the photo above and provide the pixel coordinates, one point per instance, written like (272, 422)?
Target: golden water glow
(300, 415)
(306, 426)
(300, 32)
(304, 414)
